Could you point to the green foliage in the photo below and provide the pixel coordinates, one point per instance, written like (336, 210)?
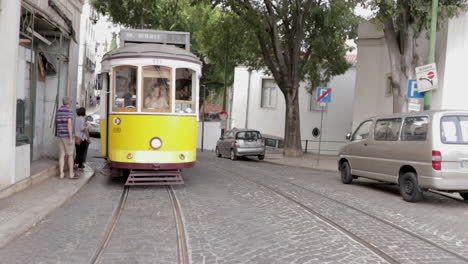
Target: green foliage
(209, 41)
(416, 13)
(319, 40)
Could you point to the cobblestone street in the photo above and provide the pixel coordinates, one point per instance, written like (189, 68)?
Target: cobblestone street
(247, 212)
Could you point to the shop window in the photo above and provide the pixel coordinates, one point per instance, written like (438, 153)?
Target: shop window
(125, 89)
(185, 92)
(157, 89)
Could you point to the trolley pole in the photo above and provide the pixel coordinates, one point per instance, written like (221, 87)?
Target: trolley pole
(432, 46)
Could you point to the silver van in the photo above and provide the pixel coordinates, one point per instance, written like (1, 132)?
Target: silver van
(418, 151)
(241, 142)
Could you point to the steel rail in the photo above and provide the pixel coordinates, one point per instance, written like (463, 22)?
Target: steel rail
(181, 237)
(111, 226)
(384, 221)
(328, 221)
(360, 211)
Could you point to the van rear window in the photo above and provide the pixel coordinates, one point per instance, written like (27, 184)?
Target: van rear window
(454, 129)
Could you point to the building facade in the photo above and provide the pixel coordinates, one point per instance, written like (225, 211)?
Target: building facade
(258, 103)
(38, 66)
(373, 89)
(86, 88)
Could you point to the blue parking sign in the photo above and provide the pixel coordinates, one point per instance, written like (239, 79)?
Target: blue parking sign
(413, 90)
(324, 94)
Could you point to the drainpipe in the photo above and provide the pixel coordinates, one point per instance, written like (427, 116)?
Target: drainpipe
(248, 102)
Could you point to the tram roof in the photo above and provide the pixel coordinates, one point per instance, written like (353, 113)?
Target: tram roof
(151, 51)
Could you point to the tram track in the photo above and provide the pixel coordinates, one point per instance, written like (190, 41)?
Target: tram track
(329, 221)
(182, 245)
(110, 228)
(181, 237)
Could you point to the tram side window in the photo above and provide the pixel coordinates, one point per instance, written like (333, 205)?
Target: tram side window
(125, 93)
(156, 88)
(185, 92)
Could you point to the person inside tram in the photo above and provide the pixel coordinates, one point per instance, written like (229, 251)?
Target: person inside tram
(128, 96)
(156, 99)
(184, 94)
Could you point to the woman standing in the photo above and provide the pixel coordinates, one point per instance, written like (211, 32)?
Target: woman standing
(81, 137)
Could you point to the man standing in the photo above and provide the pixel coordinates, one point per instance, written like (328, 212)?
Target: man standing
(64, 133)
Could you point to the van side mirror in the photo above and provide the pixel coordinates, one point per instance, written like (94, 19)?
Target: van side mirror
(348, 136)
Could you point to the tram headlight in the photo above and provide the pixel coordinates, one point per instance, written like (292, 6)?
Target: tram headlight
(156, 143)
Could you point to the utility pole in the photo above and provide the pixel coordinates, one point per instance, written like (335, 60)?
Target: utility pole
(432, 47)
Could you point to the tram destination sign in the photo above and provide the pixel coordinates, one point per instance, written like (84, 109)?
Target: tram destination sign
(155, 36)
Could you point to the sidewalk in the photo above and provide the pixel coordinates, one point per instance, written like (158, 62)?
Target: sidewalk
(24, 209)
(309, 161)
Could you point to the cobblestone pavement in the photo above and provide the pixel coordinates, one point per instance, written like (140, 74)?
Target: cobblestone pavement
(229, 218)
(436, 219)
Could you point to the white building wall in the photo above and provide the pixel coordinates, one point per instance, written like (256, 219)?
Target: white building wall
(336, 119)
(455, 86)
(211, 134)
(9, 15)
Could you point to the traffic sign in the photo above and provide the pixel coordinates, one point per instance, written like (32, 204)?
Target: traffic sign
(223, 116)
(426, 77)
(324, 94)
(413, 90)
(412, 107)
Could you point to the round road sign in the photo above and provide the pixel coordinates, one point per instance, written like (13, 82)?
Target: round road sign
(430, 75)
(223, 116)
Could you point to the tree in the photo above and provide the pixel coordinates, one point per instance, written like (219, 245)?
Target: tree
(178, 15)
(296, 41)
(403, 23)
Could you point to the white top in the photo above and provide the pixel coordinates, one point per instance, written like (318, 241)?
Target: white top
(80, 127)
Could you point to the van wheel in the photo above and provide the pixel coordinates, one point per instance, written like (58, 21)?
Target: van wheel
(409, 187)
(464, 195)
(346, 176)
(233, 155)
(218, 154)
(261, 157)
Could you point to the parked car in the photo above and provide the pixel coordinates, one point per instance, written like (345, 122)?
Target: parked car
(93, 125)
(418, 151)
(241, 142)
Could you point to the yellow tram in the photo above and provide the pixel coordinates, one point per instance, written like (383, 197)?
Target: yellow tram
(150, 132)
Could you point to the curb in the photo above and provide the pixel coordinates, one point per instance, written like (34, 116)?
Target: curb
(296, 166)
(28, 219)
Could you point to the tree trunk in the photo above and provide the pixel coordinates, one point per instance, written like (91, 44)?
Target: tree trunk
(404, 58)
(292, 134)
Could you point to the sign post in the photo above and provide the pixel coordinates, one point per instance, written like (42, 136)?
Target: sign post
(203, 118)
(323, 97)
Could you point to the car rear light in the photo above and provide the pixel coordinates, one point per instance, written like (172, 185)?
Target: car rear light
(235, 144)
(436, 160)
